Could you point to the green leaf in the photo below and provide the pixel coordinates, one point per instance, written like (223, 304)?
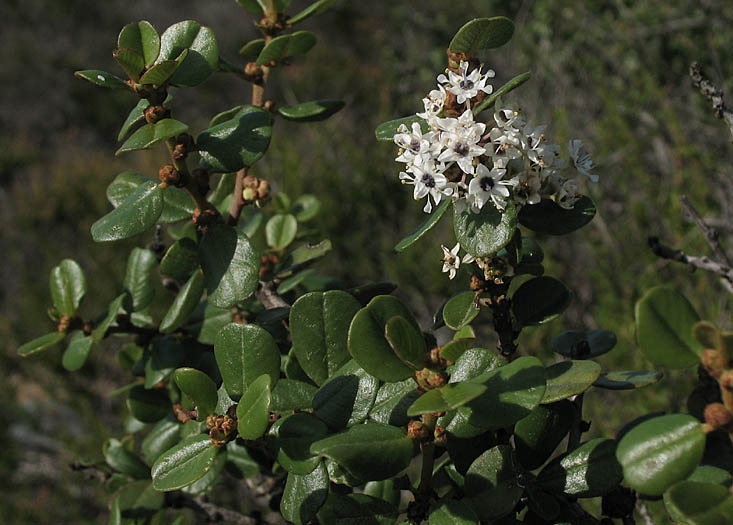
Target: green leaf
(484, 233)
(424, 228)
(137, 501)
(710, 474)
(576, 344)
(306, 207)
(136, 115)
(512, 392)
(474, 362)
(177, 202)
(387, 130)
(237, 143)
(252, 49)
(587, 471)
(460, 310)
(149, 406)
(451, 512)
(211, 479)
(136, 214)
(100, 330)
(253, 6)
(291, 439)
(184, 304)
(319, 325)
(41, 343)
(664, 321)
(347, 397)
(393, 399)
(291, 282)
(316, 8)
(367, 344)
(123, 460)
(164, 435)
(446, 398)
(304, 495)
(312, 111)
(68, 286)
(549, 217)
(491, 485)
(370, 452)
(230, 263)
(627, 379)
(407, 342)
(280, 231)
(455, 348)
(482, 33)
(537, 436)
(301, 257)
(165, 355)
(659, 452)
(489, 101)
(102, 78)
(185, 463)
(151, 134)
(290, 394)
(142, 38)
(357, 509)
(284, 46)
(540, 300)
(131, 62)
(181, 260)
(568, 378)
(203, 52)
(200, 388)
(697, 503)
(161, 72)
(244, 353)
(77, 351)
(207, 320)
(253, 410)
(138, 278)
(240, 463)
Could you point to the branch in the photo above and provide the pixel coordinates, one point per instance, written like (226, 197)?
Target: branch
(711, 235)
(212, 512)
(712, 93)
(269, 297)
(237, 199)
(703, 263)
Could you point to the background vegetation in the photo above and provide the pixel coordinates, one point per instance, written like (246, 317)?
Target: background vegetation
(612, 72)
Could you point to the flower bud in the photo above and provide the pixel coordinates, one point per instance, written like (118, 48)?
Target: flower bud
(711, 361)
(155, 113)
(717, 416)
(440, 437)
(417, 430)
(169, 174)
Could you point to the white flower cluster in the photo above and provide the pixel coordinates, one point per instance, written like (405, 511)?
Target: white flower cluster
(458, 159)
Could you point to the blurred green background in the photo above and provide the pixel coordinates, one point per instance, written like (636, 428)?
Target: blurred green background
(613, 73)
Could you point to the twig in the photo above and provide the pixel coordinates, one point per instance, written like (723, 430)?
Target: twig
(712, 93)
(644, 513)
(665, 252)
(92, 471)
(269, 297)
(213, 513)
(719, 224)
(237, 199)
(711, 235)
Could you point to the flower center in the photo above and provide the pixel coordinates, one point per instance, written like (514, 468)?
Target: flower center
(415, 145)
(466, 84)
(428, 180)
(461, 149)
(486, 183)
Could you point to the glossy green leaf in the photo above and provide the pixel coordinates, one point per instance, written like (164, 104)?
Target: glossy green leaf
(102, 78)
(181, 260)
(392, 401)
(451, 512)
(185, 463)
(244, 353)
(460, 310)
(100, 330)
(319, 325)
(211, 479)
(304, 495)
(549, 217)
(177, 202)
(41, 343)
(199, 388)
(659, 452)
(291, 283)
(161, 72)
(280, 231)
(537, 436)
(230, 263)
(484, 233)
(136, 501)
(138, 278)
(164, 435)
(149, 406)
(446, 398)
(253, 6)
(136, 115)
(407, 342)
(482, 33)
(253, 410)
(587, 471)
(77, 351)
(136, 214)
(512, 392)
(711, 474)
(252, 49)
(568, 378)
(577, 344)
(240, 463)
(184, 304)
(370, 452)
(68, 286)
(540, 300)
(291, 439)
(698, 503)
(491, 484)
(164, 356)
(664, 321)
(284, 46)
(424, 228)
(367, 343)
(203, 52)
(312, 111)
(291, 394)
(489, 101)
(474, 362)
(387, 130)
(306, 207)
(151, 134)
(316, 8)
(124, 460)
(207, 320)
(142, 38)
(236, 143)
(301, 257)
(131, 62)
(455, 348)
(347, 397)
(627, 379)
(357, 509)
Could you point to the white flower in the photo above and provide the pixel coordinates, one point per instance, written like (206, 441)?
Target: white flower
(464, 125)
(460, 139)
(429, 181)
(415, 145)
(568, 195)
(467, 85)
(583, 162)
(451, 261)
(527, 188)
(488, 186)
(509, 117)
(433, 103)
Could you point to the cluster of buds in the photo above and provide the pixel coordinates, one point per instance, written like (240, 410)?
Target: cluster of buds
(155, 113)
(428, 379)
(184, 145)
(254, 73)
(222, 428)
(170, 175)
(254, 190)
(184, 415)
(267, 264)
